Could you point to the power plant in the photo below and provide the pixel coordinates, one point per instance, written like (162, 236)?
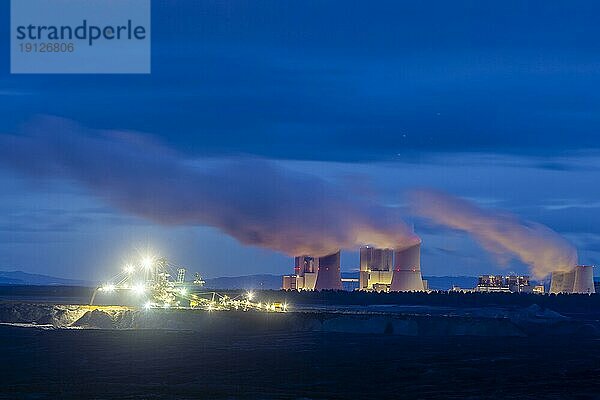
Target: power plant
(579, 280)
(507, 284)
(311, 273)
(376, 268)
(387, 270)
(329, 276)
(305, 274)
(378, 271)
(407, 270)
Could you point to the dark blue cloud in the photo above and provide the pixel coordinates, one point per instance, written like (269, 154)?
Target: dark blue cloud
(345, 80)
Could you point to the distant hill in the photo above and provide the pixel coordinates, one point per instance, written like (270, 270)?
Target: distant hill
(24, 278)
(267, 281)
(264, 281)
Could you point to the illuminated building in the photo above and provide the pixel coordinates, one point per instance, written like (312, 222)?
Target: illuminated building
(406, 276)
(305, 274)
(539, 289)
(518, 283)
(490, 281)
(579, 280)
(376, 268)
(292, 282)
(508, 284)
(312, 273)
(306, 268)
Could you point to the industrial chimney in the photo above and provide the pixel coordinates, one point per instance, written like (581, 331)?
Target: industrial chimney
(407, 270)
(329, 276)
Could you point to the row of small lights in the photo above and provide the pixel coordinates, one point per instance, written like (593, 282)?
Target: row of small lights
(129, 269)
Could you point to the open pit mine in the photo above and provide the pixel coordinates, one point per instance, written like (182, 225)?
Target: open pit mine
(154, 294)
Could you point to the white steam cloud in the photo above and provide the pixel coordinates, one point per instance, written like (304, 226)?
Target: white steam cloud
(500, 233)
(255, 201)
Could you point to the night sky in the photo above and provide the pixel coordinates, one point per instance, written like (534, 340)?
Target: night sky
(495, 102)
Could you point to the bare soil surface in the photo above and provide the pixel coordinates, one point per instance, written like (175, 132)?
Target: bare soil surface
(163, 364)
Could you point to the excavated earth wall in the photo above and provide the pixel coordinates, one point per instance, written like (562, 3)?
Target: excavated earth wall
(525, 322)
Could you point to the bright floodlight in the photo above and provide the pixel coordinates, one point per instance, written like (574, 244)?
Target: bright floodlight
(138, 288)
(183, 291)
(250, 295)
(109, 287)
(148, 305)
(129, 269)
(147, 262)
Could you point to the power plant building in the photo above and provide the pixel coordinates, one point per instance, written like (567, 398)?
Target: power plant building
(579, 280)
(329, 276)
(380, 270)
(508, 284)
(312, 273)
(305, 274)
(406, 276)
(376, 268)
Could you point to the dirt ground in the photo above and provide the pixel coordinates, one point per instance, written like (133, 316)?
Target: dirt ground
(159, 364)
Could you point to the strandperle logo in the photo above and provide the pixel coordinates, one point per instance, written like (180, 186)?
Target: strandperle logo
(80, 36)
(85, 31)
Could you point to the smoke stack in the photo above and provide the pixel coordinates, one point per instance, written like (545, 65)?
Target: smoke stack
(329, 276)
(407, 270)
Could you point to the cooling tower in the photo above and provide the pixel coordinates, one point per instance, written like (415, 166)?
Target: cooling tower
(562, 281)
(579, 280)
(407, 270)
(584, 279)
(329, 276)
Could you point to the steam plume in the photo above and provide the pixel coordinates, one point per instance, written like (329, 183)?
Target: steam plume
(500, 233)
(255, 201)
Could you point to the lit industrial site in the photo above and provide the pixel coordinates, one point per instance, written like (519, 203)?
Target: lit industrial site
(149, 284)
(169, 320)
(386, 270)
(299, 200)
(154, 282)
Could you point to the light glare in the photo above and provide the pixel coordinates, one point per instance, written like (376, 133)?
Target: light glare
(147, 262)
(109, 287)
(138, 288)
(129, 269)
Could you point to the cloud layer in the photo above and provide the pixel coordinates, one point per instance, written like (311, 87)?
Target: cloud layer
(255, 201)
(502, 234)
